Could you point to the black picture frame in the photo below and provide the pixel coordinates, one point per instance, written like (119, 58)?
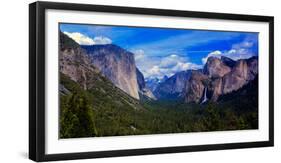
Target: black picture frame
(37, 80)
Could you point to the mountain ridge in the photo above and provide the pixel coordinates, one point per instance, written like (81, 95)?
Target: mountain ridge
(76, 65)
(172, 87)
(219, 76)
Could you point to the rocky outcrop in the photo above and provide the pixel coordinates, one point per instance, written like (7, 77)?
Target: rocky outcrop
(70, 54)
(228, 61)
(195, 87)
(252, 67)
(220, 77)
(147, 94)
(140, 79)
(117, 64)
(143, 90)
(244, 71)
(152, 83)
(215, 68)
(173, 87)
(77, 72)
(215, 89)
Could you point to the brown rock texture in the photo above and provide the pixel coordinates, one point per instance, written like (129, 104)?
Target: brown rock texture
(195, 87)
(117, 64)
(215, 68)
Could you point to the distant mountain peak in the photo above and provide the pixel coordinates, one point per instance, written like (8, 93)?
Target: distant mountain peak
(172, 87)
(165, 77)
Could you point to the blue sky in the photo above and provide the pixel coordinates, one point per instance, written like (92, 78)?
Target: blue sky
(165, 51)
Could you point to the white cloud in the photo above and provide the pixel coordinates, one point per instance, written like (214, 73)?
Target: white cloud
(180, 66)
(238, 51)
(216, 53)
(101, 40)
(138, 54)
(80, 38)
(155, 71)
(153, 66)
(179, 42)
(244, 44)
(169, 66)
(85, 40)
(232, 51)
(171, 60)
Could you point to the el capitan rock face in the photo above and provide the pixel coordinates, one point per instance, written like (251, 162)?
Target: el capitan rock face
(140, 79)
(117, 64)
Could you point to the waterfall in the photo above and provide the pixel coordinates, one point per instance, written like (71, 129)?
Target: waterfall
(205, 95)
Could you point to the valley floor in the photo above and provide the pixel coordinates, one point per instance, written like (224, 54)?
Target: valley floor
(94, 114)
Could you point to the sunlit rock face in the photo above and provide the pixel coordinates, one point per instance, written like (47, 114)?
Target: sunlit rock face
(244, 71)
(117, 64)
(215, 68)
(220, 77)
(70, 53)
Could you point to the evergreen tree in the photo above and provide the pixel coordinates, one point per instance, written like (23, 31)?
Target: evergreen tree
(77, 117)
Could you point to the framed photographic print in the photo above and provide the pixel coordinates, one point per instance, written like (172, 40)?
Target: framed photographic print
(111, 81)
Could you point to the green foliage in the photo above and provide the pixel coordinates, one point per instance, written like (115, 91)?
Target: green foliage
(76, 118)
(76, 114)
(212, 118)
